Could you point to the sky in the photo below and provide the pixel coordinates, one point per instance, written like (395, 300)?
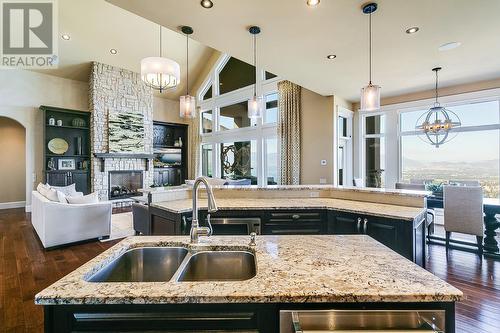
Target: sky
(465, 146)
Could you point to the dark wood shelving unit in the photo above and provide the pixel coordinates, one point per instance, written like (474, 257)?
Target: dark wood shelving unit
(164, 136)
(81, 174)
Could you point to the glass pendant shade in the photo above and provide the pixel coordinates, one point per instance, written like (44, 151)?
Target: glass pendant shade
(187, 106)
(160, 73)
(255, 107)
(370, 98)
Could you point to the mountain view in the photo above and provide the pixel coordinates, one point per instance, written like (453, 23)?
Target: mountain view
(486, 171)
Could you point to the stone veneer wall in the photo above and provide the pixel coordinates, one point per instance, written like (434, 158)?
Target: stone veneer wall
(114, 89)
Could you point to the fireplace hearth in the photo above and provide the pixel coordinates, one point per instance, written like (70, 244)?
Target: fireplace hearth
(124, 184)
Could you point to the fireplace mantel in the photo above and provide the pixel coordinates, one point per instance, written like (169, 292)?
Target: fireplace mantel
(142, 156)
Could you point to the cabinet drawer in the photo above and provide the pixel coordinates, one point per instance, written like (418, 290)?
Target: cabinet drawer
(292, 216)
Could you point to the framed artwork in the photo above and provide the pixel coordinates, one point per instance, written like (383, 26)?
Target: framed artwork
(126, 132)
(66, 164)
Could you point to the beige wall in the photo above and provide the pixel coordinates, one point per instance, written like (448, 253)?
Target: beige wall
(21, 93)
(316, 138)
(445, 91)
(167, 110)
(12, 148)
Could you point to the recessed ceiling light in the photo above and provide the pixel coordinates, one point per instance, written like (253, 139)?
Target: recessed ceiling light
(449, 46)
(313, 3)
(412, 30)
(207, 3)
(65, 36)
(113, 51)
(331, 56)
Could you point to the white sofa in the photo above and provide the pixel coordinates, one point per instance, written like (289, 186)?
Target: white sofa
(60, 223)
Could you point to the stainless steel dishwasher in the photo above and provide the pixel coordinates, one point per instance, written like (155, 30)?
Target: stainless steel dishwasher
(235, 225)
(362, 321)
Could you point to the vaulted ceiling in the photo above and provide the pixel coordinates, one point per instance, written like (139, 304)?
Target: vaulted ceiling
(296, 39)
(96, 26)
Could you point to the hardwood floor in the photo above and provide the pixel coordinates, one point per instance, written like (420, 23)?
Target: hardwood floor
(25, 269)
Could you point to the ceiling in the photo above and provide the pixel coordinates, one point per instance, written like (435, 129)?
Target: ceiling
(96, 26)
(296, 39)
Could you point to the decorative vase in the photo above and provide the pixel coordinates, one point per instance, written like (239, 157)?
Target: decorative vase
(52, 121)
(78, 146)
(59, 122)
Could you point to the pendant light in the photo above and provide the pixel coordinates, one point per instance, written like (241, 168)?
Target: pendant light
(160, 73)
(256, 103)
(187, 102)
(435, 125)
(370, 95)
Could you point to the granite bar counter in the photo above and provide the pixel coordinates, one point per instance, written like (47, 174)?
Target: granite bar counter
(292, 272)
(350, 206)
(294, 269)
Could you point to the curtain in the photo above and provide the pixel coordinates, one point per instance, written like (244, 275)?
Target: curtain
(289, 132)
(194, 146)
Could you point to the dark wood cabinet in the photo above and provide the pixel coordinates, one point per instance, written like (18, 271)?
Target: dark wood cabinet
(170, 142)
(405, 237)
(343, 224)
(71, 130)
(168, 176)
(65, 178)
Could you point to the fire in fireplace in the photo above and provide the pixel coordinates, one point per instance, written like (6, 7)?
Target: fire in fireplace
(124, 184)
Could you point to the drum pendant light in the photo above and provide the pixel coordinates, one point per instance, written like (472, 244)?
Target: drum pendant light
(160, 73)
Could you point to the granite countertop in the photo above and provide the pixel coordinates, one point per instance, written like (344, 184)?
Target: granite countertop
(290, 269)
(375, 209)
(184, 187)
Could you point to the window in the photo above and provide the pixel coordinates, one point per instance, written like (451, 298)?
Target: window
(236, 74)
(473, 154)
(374, 147)
(232, 145)
(208, 94)
(207, 160)
(342, 126)
(269, 76)
(271, 159)
(271, 115)
(234, 116)
(207, 121)
(239, 161)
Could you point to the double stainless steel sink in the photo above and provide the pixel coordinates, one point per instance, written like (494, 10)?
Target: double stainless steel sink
(163, 264)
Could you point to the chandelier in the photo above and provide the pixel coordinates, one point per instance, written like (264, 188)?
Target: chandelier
(160, 73)
(435, 125)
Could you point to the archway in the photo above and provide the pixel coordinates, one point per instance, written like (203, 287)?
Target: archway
(26, 117)
(13, 170)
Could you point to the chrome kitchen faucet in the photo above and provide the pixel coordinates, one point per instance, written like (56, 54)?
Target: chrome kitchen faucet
(196, 230)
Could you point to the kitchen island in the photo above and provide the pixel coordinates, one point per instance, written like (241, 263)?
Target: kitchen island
(293, 273)
(401, 228)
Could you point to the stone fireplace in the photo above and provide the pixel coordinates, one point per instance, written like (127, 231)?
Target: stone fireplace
(115, 90)
(124, 184)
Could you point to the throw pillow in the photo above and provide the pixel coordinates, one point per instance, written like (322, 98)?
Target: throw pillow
(42, 188)
(69, 190)
(62, 197)
(86, 199)
(51, 194)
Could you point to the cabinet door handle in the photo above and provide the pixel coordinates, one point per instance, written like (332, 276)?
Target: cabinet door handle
(295, 216)
(365, 222)
(359, 224)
